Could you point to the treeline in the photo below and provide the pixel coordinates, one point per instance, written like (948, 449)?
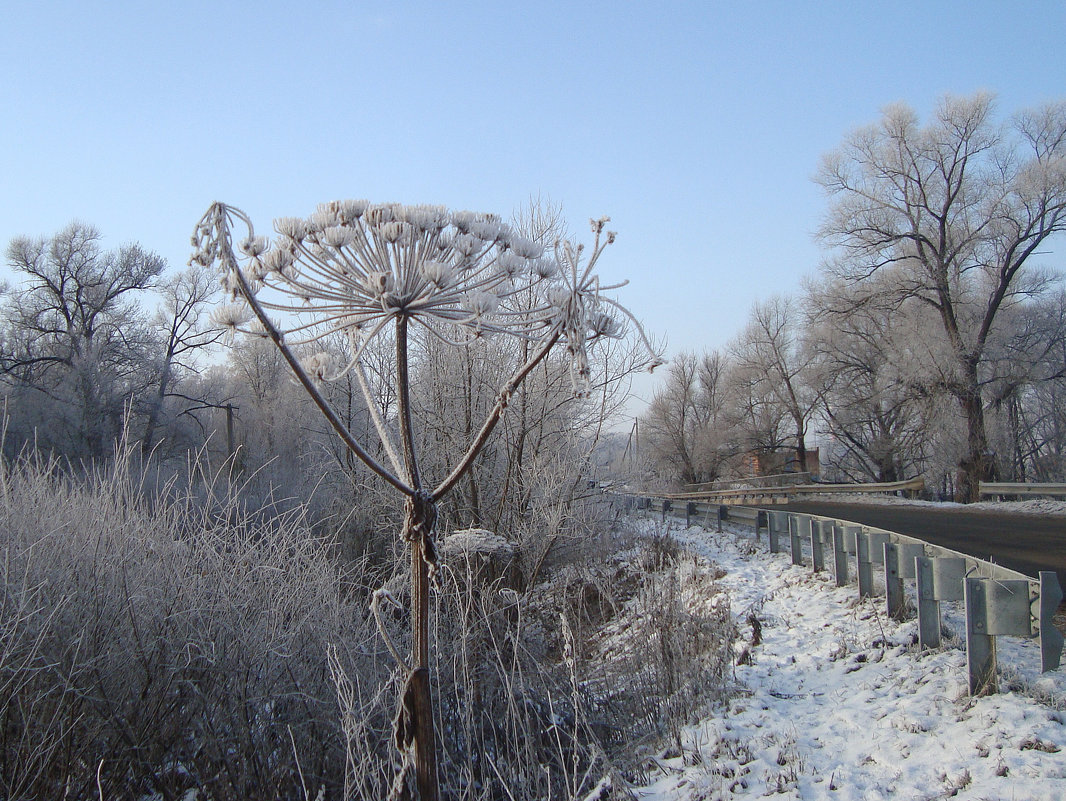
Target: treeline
(931, 343)
(92, 338)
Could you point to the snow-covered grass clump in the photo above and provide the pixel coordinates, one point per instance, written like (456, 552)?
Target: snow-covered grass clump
(154, 642)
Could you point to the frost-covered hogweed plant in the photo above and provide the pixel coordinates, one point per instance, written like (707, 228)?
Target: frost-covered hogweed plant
(359, 270)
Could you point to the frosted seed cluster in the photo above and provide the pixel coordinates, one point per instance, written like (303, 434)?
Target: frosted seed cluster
(353, 266)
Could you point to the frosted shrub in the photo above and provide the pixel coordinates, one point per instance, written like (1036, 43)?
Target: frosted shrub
(152, 644)
(684, 646)
(361, 273)
(513, 712)
(654, 634)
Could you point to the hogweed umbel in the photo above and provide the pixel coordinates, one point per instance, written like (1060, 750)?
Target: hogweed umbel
(359, 270)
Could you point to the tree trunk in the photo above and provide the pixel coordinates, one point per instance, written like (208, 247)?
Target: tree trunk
(886, 472)
(156, 408)
(92, 417)
(473, 496)
(801, 450)
(1014, 416)
(977, 465)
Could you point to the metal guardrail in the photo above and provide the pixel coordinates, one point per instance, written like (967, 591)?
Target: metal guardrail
(997, 601)
(776, 480)
(767, 495)
(1002, 488)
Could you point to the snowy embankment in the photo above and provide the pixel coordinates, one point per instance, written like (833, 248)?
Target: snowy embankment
(837, 702)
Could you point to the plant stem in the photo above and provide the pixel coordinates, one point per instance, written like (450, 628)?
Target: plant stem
(403, 398)
(418, 530)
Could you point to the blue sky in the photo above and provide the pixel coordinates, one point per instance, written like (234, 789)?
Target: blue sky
(695, 125)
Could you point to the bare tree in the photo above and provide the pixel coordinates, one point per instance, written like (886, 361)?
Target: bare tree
(180, 322)
(758, 422)
(75, 332)
(865, 391)
(269, 409)
(952, 212)
(684, 423)
(769, 355)
(1028, 369)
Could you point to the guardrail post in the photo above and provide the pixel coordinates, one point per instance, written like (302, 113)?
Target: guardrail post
(690, 511)
(1051, 639)
(899, 565)
(863, 568)
(817, 538)
(993, 607)
(894, 597)
(799, 526)
(869, 549)
(980, 646)
(666, 508)
(774, 528)
(939, 579)
(723, 512)
(762, 519)
(840, 556)
(928, 606)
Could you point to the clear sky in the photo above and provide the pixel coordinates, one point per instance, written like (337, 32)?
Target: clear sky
(695, 125)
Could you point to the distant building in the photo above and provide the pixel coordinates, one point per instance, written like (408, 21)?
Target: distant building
(773, 463)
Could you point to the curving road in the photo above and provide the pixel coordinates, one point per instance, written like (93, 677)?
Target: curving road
(1027, 543)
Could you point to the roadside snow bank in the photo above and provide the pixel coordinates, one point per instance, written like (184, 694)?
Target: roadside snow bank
(839, 703)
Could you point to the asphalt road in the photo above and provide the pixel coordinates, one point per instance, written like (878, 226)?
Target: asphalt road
(1027, 543)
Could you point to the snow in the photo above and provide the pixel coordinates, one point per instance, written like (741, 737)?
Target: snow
(476, 540)
(1033, 506)
(838, 703)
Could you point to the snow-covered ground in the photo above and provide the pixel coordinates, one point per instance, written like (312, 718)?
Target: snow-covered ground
(838, 703)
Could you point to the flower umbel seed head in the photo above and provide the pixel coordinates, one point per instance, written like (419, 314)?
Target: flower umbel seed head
(352, 266)
(378, 284)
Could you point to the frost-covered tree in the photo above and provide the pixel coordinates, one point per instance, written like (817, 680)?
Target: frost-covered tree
(770, 363)
(860, 368)
(759, 424)
(684, 427)
(1028, 371)
(75, 338)
(952, 214)
(183, 333)
(366, 272)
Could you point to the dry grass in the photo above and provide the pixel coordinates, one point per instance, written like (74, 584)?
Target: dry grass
(164, 641)
(152, 642)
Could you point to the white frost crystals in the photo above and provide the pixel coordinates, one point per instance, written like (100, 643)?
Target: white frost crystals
(231, 316)
(353, 266)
